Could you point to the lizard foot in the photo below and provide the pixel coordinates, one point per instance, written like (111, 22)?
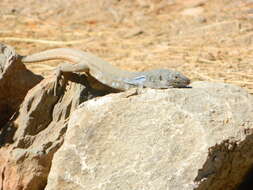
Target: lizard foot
(58, 74)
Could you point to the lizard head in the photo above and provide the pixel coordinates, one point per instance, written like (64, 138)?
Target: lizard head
(164, 78)
(159, 79)
(170, 78)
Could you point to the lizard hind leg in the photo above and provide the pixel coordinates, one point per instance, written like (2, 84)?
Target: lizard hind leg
(62, 70)
(58, 75)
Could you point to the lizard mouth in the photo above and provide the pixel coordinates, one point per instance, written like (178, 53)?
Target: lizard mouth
(181, 84)
(187, 82)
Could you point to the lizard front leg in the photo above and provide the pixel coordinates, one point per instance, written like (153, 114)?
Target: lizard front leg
(66, 68)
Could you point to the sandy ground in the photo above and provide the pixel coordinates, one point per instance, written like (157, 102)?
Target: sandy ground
(207, 40)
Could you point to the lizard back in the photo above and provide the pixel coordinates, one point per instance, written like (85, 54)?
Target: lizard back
(94, 63)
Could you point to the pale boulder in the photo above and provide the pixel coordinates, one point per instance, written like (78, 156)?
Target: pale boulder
(158, 140)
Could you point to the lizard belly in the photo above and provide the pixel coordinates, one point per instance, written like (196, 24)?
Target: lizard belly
(115, 82)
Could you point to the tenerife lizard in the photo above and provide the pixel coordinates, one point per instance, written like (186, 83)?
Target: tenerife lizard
(108, 74)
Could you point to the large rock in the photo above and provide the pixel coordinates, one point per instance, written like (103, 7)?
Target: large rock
(34, 134)
(199, 137)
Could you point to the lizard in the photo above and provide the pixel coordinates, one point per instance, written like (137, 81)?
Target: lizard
(107, 74)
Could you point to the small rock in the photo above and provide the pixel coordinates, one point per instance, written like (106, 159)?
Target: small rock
(15, 81)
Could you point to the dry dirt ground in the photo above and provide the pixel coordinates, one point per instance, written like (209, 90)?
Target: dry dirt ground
(209, 40)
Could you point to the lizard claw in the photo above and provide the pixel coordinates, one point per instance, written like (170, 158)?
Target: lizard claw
(58, 74)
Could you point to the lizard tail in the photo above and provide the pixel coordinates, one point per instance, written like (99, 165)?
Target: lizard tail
(54, 54)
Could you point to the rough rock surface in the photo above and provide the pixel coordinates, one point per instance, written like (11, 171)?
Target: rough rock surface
(30, 139)
(199, 137)
(15, 81)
